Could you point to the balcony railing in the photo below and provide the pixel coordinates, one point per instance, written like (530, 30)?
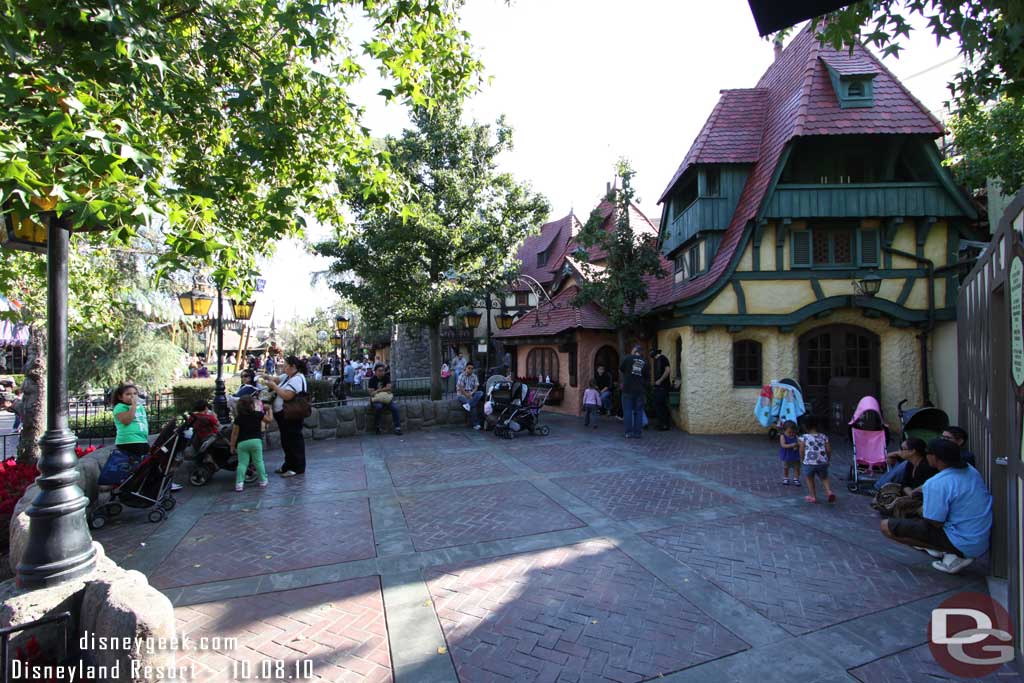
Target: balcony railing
(859, 200)
(705, 213)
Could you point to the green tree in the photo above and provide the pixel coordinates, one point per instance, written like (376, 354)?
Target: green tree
(619, 285)
(223, 123)
(100, 360)
(986, 92)
(456, 238)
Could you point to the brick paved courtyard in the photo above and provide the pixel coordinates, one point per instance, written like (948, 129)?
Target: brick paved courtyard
(451, 555)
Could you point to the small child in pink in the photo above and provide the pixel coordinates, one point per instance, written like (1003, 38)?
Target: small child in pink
(591, 404)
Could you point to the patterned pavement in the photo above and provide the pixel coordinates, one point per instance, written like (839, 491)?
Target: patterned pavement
(450, 555)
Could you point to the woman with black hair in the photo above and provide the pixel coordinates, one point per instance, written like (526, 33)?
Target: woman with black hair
(285, 388)
(130, 420)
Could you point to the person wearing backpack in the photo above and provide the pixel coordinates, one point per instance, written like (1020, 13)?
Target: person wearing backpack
(286, 388)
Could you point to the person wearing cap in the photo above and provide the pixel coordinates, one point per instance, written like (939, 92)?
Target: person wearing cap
(956, 516)
(662, 385)
(633, 371)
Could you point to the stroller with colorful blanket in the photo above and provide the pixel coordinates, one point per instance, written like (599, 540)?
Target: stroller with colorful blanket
(148, 486)
(869, 437)
(519, 415)
(779, 402)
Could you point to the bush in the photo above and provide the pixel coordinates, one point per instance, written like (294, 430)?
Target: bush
(145, 357)
(188, 392)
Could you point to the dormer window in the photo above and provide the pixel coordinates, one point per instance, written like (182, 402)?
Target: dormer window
(853, 79)
(855, 89)
(542, 259)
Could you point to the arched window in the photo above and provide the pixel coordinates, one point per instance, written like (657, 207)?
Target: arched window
(746, 363)
(542, 362)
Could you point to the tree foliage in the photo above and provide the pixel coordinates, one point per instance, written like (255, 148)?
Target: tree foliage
(619, 285)
(223, 123)
(457, 239)
(986, 92)
(136, 353)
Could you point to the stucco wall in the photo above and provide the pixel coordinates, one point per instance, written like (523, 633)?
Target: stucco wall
(943, 352)
(710, 404)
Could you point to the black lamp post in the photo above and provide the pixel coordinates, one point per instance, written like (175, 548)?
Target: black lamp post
(197, 303)
(59, 546)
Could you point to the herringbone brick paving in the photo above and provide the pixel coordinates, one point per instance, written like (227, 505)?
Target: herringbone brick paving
(917, 665)
(585, 610)
(796, 576)
(441, 519)
(641, 493)
(230, 545)
(443, 468)
(338, 628)
(794, 566)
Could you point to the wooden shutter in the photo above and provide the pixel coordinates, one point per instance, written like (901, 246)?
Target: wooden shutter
(868, 247)
(801, 241)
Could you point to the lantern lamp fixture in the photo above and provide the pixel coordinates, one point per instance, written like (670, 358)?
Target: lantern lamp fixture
(868, 285)
(471, 319)
(341, 323)
(242, 309)
(504, 321)
(195, 302)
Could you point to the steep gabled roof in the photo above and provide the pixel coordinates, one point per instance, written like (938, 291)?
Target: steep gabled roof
(558, 317)
(799, 101)
(731, 135)
(846, 64)
(553, 238)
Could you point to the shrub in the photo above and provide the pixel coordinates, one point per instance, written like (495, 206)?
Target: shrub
(98, 361)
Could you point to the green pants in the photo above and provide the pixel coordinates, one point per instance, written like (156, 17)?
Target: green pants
(250, 448)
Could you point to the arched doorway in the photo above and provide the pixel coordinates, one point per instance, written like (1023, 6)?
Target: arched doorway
(609, 358)
(838, 365)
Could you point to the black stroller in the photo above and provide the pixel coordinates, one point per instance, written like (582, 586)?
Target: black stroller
(522, 413)
(214, 454)
(149, 484)
(924, 423)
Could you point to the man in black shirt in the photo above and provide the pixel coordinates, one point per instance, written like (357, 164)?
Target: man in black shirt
(603, 382)
(633, 371)
(380, 396)
(662, 385)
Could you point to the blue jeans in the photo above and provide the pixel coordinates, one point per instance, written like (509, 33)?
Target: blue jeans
(471, 402)
(633, 414)
(379, 407)
(893, 475)
(606, 400)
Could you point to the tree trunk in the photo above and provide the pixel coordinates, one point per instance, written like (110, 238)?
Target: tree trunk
(435, 361)
(33, 397)
(621, 334)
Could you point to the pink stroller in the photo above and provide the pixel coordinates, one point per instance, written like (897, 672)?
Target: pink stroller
(868, 434)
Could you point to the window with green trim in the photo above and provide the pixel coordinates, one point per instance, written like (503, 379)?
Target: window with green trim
(746, 363)
(834, 247)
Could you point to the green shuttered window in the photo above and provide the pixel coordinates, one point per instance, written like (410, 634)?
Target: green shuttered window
(834, 248)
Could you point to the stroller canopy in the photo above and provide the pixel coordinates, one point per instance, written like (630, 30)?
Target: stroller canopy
(868, 415)
(924, 423)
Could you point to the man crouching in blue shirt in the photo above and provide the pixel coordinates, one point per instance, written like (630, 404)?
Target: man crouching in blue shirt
(957, 513)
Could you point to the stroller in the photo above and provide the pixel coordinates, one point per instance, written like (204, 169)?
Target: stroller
(869, 436)
(149, 484)
(214, 454)
(521, 413)
(779, 402)
(924, 423)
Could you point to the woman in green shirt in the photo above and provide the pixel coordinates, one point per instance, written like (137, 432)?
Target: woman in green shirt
(130, 420)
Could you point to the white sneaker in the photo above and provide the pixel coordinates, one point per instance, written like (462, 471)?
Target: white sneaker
(477, 427)
(176, 487)
(952, 564)
(288, 473)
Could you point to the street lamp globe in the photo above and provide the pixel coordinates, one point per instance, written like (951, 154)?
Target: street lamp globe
(242, 309)
(471, 319)
(504, 321)
(341, 323)
(195, 302)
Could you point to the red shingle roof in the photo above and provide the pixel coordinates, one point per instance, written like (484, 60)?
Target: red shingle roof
(554, 237)
(557, 318)
(731, 135)
(846, 64)
(800, 101)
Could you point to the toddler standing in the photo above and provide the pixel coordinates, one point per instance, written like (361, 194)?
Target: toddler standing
(247, 440)
(591, 404)
(789, 453)
(815, 451)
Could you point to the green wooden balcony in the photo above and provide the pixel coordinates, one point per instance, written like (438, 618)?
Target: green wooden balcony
(706, 213)
(861, 200)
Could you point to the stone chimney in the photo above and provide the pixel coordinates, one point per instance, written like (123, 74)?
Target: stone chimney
(778, 49)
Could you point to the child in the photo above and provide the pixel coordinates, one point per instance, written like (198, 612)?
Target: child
(204, 422)
(789, 453)
(815, 451)
(247, 440)
(591, 403)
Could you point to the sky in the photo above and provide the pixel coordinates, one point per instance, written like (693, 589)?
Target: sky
(586, 82)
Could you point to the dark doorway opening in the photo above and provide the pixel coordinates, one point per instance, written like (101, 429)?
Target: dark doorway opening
(839, 364)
